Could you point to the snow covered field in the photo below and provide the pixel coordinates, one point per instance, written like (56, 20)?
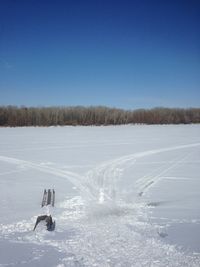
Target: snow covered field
(125, 196)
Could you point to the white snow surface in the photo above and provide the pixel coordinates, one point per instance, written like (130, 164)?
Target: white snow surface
(125, 196)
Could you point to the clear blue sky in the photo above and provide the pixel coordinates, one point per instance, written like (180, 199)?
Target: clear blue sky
(128, 54)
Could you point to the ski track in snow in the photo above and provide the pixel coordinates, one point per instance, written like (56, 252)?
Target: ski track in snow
(96, 239)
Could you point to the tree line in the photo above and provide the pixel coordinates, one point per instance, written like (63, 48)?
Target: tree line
(49, 116)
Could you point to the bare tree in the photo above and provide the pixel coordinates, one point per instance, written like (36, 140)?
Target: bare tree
(47, 116)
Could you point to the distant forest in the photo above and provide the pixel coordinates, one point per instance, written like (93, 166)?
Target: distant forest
(48, 116)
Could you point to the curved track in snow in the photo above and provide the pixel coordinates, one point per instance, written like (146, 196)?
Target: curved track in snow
(105, 174)
(102, 174)
(104, 234)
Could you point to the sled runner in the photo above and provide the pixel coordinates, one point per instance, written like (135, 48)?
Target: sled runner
(50, 224)
(48, 199)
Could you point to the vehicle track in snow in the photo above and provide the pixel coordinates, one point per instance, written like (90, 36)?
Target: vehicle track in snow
(101, 241)
(74, 178)
(106, 175)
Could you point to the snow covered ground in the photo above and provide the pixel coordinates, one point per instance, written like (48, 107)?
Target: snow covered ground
(125, 196)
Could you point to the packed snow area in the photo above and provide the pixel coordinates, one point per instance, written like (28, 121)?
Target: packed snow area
(125, 196)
